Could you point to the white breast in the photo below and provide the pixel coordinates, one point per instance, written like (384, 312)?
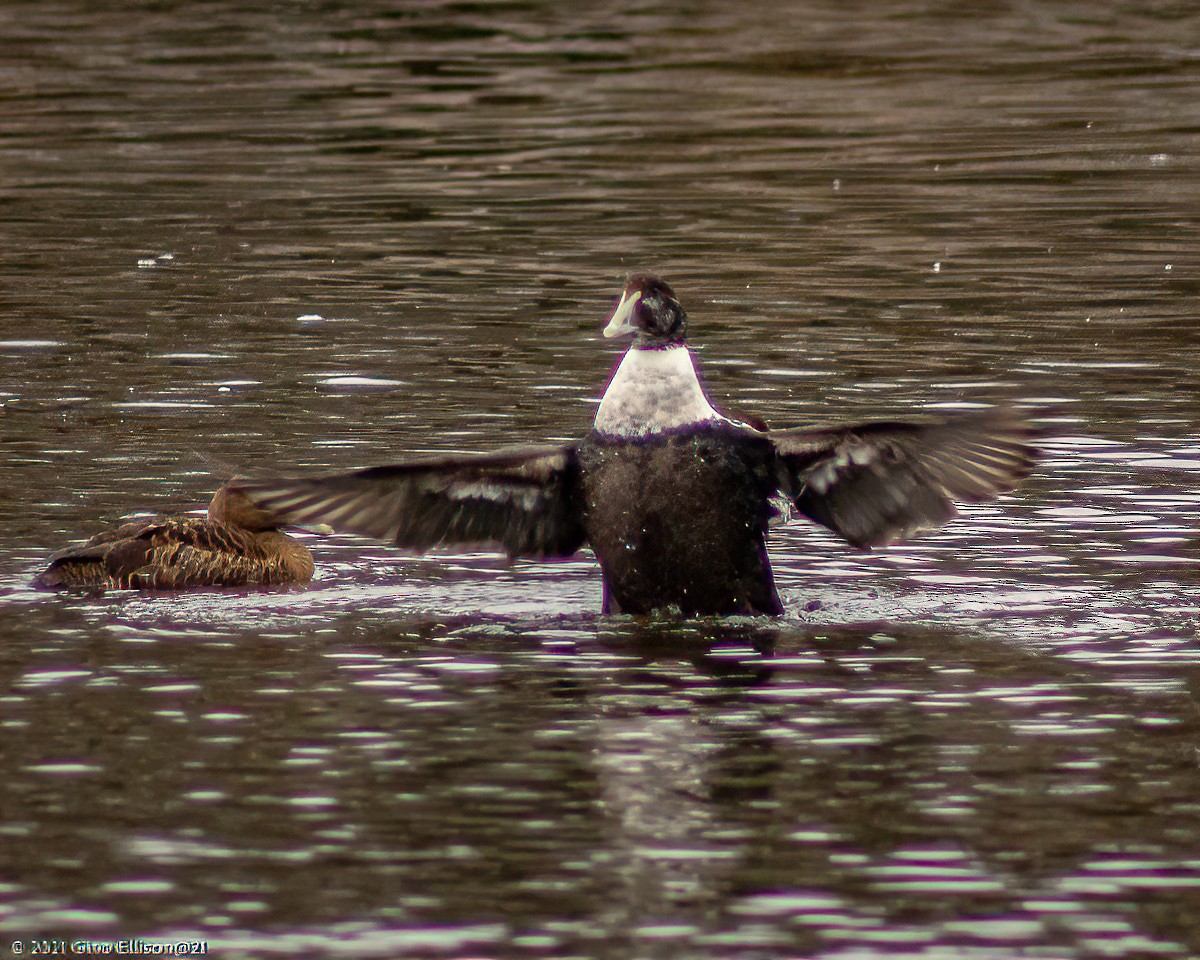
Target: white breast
(651, 392)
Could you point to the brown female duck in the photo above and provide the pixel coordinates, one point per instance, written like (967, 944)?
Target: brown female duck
(236, 545)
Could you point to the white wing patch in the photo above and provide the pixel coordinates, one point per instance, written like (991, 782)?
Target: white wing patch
(496, 493)
(826, 474)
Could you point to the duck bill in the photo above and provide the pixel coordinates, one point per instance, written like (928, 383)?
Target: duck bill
(620, 323)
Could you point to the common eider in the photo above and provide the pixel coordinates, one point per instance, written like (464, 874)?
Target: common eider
(673, 496)
(237, 545)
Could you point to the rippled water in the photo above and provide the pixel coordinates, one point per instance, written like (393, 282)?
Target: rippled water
(337, 234)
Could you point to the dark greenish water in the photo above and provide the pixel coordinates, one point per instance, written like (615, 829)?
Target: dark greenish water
(326, 235)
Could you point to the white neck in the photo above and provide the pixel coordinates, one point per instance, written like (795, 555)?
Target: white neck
(653, 391)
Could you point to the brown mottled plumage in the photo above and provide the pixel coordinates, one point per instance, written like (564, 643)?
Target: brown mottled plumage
(237, 545)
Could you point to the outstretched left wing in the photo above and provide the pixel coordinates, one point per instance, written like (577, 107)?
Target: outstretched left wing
(875, 483)
(524, 501)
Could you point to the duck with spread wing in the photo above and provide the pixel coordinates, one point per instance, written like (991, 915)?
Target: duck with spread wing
(674, 497)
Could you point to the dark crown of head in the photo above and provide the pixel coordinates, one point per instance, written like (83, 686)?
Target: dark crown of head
(658, 315)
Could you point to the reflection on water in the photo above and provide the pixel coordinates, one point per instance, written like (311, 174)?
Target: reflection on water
(351, 232)
(598, 787)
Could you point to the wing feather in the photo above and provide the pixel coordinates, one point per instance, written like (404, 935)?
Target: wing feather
(524, 501)
(875, 483)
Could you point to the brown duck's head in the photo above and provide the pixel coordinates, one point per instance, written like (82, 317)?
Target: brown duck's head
(648, 309)
(231, 506)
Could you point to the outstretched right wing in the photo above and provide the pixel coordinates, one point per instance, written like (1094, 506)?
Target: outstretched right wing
(524, 501)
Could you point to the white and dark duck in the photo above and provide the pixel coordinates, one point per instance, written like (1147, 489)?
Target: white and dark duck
(672, 496)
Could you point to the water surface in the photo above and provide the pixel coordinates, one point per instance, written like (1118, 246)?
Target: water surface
(340, 234)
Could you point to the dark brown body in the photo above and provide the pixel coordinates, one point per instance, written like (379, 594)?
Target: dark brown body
(680, 520)
(182, 552)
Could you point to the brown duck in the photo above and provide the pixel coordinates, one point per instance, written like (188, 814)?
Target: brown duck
(237, 545)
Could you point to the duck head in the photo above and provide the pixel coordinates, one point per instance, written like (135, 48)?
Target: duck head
(230, 505)
(648, 310)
